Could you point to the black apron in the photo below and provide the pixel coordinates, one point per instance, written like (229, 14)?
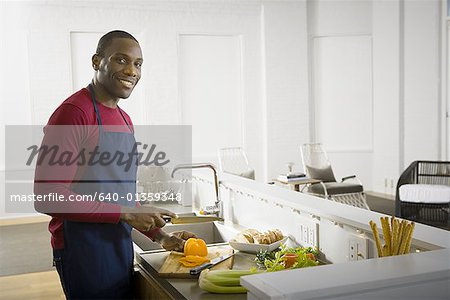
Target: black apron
(97, 260)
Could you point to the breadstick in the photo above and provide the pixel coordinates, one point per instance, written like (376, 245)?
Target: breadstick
(409, 239)
(386, 234)
(400, 236)
(376, 237)
(385, 250)
(403, 243)
(396, 238)
(392, 234)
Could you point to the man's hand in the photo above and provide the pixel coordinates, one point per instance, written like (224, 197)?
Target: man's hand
(145, 218)
(174, 241)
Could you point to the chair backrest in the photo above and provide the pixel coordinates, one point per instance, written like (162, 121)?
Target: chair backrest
(433, 172)
(234, 160)
(315, 162)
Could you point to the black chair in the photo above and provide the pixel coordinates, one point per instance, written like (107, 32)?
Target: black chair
(429, 173)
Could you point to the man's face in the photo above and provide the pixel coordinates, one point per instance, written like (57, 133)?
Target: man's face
(119, 68)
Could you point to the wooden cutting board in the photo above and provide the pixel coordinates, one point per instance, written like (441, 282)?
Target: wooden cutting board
(172, 268)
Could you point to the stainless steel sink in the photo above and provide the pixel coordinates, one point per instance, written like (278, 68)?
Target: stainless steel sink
(210, 232)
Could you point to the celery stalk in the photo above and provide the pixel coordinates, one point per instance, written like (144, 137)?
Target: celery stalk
(223, 281)
(231, 273)
(208, 286)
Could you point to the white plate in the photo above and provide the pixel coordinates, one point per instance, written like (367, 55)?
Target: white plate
(254, 248)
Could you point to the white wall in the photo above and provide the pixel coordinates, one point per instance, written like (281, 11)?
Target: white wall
(331, 22)
(387, 93)
(286, 83)
(39, 57)
(210, 89)
(277, 102)
(406, 69)
(421, 80)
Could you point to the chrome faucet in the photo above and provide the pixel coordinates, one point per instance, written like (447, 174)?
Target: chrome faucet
(217, 209)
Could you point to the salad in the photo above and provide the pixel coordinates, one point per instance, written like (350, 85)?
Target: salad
(287, 258)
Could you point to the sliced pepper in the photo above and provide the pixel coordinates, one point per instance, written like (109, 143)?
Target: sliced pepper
(193, 260)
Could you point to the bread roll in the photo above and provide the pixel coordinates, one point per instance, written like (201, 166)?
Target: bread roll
(252, 231)
(279, 234)
(261, 238)
(241, 238)
(248, 236)
(256, 237)
(272, 236)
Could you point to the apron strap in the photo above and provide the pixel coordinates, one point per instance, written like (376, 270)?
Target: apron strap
(129, 127)
(94, 101)
(99, 120)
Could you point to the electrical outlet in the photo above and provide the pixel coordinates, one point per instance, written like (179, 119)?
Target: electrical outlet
(312, 233)
(357, 247)
(392, 187)
(353, 250)
(306, 232)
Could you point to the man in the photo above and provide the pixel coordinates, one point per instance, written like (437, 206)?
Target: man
(91, 240)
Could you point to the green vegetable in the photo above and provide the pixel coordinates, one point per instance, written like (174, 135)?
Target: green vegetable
(300, 250)
(223, 281)
(277, 262)
(214, 288)
(262, 255)
(228, 281)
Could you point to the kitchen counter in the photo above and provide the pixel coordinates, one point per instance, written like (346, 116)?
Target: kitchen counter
(188, 288)
(334, 228)
(415, 276)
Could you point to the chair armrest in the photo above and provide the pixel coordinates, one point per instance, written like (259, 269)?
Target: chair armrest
(348, 177)
(352, 177)
(409, 176)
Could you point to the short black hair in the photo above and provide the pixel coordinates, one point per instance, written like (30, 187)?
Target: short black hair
(106, 40)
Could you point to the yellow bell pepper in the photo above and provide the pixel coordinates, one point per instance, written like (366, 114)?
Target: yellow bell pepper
(195, 247)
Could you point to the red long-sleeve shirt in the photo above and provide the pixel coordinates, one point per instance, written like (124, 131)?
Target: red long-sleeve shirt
(77, 110)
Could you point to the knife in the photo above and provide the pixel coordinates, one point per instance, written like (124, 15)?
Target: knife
(211, 263)
(196, 219)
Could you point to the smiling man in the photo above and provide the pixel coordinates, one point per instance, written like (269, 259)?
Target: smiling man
(91, 240)
(117, 62)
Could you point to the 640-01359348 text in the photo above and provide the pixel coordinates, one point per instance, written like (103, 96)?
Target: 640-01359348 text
(108, 197)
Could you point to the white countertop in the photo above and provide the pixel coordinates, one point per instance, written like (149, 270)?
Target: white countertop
(339, 280)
